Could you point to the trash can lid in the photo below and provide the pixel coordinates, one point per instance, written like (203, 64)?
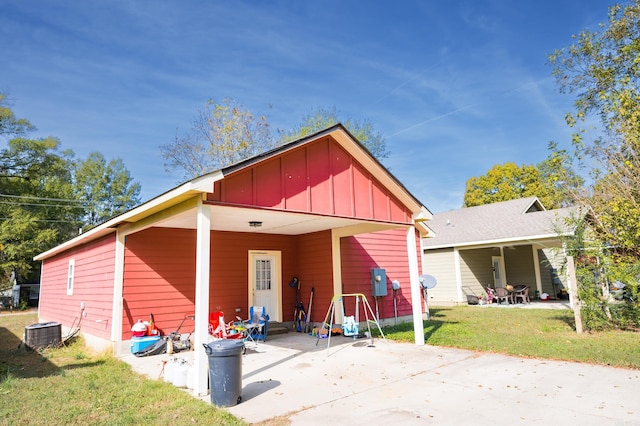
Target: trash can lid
(224, 347)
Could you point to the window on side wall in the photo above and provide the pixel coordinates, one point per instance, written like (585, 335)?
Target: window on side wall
(70, 272)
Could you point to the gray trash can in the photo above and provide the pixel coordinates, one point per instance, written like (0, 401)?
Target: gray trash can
(225, 371)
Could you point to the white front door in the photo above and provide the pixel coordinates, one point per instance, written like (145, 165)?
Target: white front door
(265, 282)
(498, 271)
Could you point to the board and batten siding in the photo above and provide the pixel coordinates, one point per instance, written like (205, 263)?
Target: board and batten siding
(441, 264)
(93, 286)
(320, 177)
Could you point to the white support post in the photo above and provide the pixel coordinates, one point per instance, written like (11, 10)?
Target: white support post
(337, 275)
(118, 280)
(536, 268)
(414, 278)
(458, 274)
(203, 260)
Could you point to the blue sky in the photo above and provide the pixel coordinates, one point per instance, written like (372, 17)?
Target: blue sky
(455, 87)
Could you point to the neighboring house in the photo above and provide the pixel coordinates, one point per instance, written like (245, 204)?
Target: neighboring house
(514, 242)
(320, 208)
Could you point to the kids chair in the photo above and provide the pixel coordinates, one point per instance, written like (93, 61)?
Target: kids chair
(221, 330)
(258, 323)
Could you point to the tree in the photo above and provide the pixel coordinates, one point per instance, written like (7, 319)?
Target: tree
(46, 195)
(106, 188)
(505, 182)
(322, 118)
(9, 124)
(221, 134)
(37, 208)
(602, 69)
(559, 176)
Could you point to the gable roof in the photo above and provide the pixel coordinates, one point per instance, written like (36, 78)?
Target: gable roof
(180, 200)
(524, 219)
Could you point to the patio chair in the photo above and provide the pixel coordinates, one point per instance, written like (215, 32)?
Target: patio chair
(258, 323)
(522, 293)
(503, 294)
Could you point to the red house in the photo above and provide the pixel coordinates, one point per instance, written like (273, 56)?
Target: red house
(320, 208)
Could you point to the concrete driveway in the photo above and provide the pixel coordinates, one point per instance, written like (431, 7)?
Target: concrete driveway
(289, 378)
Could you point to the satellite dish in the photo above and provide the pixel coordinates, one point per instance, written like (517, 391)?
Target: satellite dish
(428, 281)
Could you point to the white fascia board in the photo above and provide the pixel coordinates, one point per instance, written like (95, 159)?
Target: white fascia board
(498, 242)
(202, 184)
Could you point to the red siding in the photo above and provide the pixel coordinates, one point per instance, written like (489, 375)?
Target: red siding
(93, 285)
(387, 250)
(268, 176)
(320, 181)
(229, 268)
(159, 278)
(160, 274)
(315, 271)
(320, 177)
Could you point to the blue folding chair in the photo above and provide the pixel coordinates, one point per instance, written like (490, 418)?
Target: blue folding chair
(258, 324)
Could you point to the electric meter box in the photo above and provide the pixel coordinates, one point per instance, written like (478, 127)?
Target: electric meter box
(379, 282)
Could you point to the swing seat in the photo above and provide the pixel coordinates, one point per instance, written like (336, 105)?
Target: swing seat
(350, 326)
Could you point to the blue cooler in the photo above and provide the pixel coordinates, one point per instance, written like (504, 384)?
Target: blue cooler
(140, 343)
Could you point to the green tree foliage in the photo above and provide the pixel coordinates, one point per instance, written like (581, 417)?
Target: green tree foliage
(46, 195)
(35, 211)
(323, 118)
(505, 182)
(560, 178)
(9, 124)
(602, 69)
(221, 134)
(105, 187)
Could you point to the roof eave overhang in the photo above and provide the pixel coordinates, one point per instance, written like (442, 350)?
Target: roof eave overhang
(188, 190)
(533, 239)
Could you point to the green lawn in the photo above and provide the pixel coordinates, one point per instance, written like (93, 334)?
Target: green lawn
(537, 333)
(71, 385)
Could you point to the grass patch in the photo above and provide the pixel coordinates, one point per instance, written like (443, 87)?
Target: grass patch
(70, 385)
(534, 333)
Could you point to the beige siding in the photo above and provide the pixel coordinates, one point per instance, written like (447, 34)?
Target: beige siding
(519, 264)
(440, 264)
(476, 270)
(551, 258)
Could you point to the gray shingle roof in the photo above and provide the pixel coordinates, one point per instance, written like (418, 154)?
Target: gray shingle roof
(521, 219)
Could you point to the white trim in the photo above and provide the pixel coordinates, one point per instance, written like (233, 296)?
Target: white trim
(336, 266)
(414, 278)
(71, 269)
(276, 284)
(503, 266)
(505, 241)
(536, 268)
(456, 268)
(118, 282)
(185, 191)
(201, 333)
